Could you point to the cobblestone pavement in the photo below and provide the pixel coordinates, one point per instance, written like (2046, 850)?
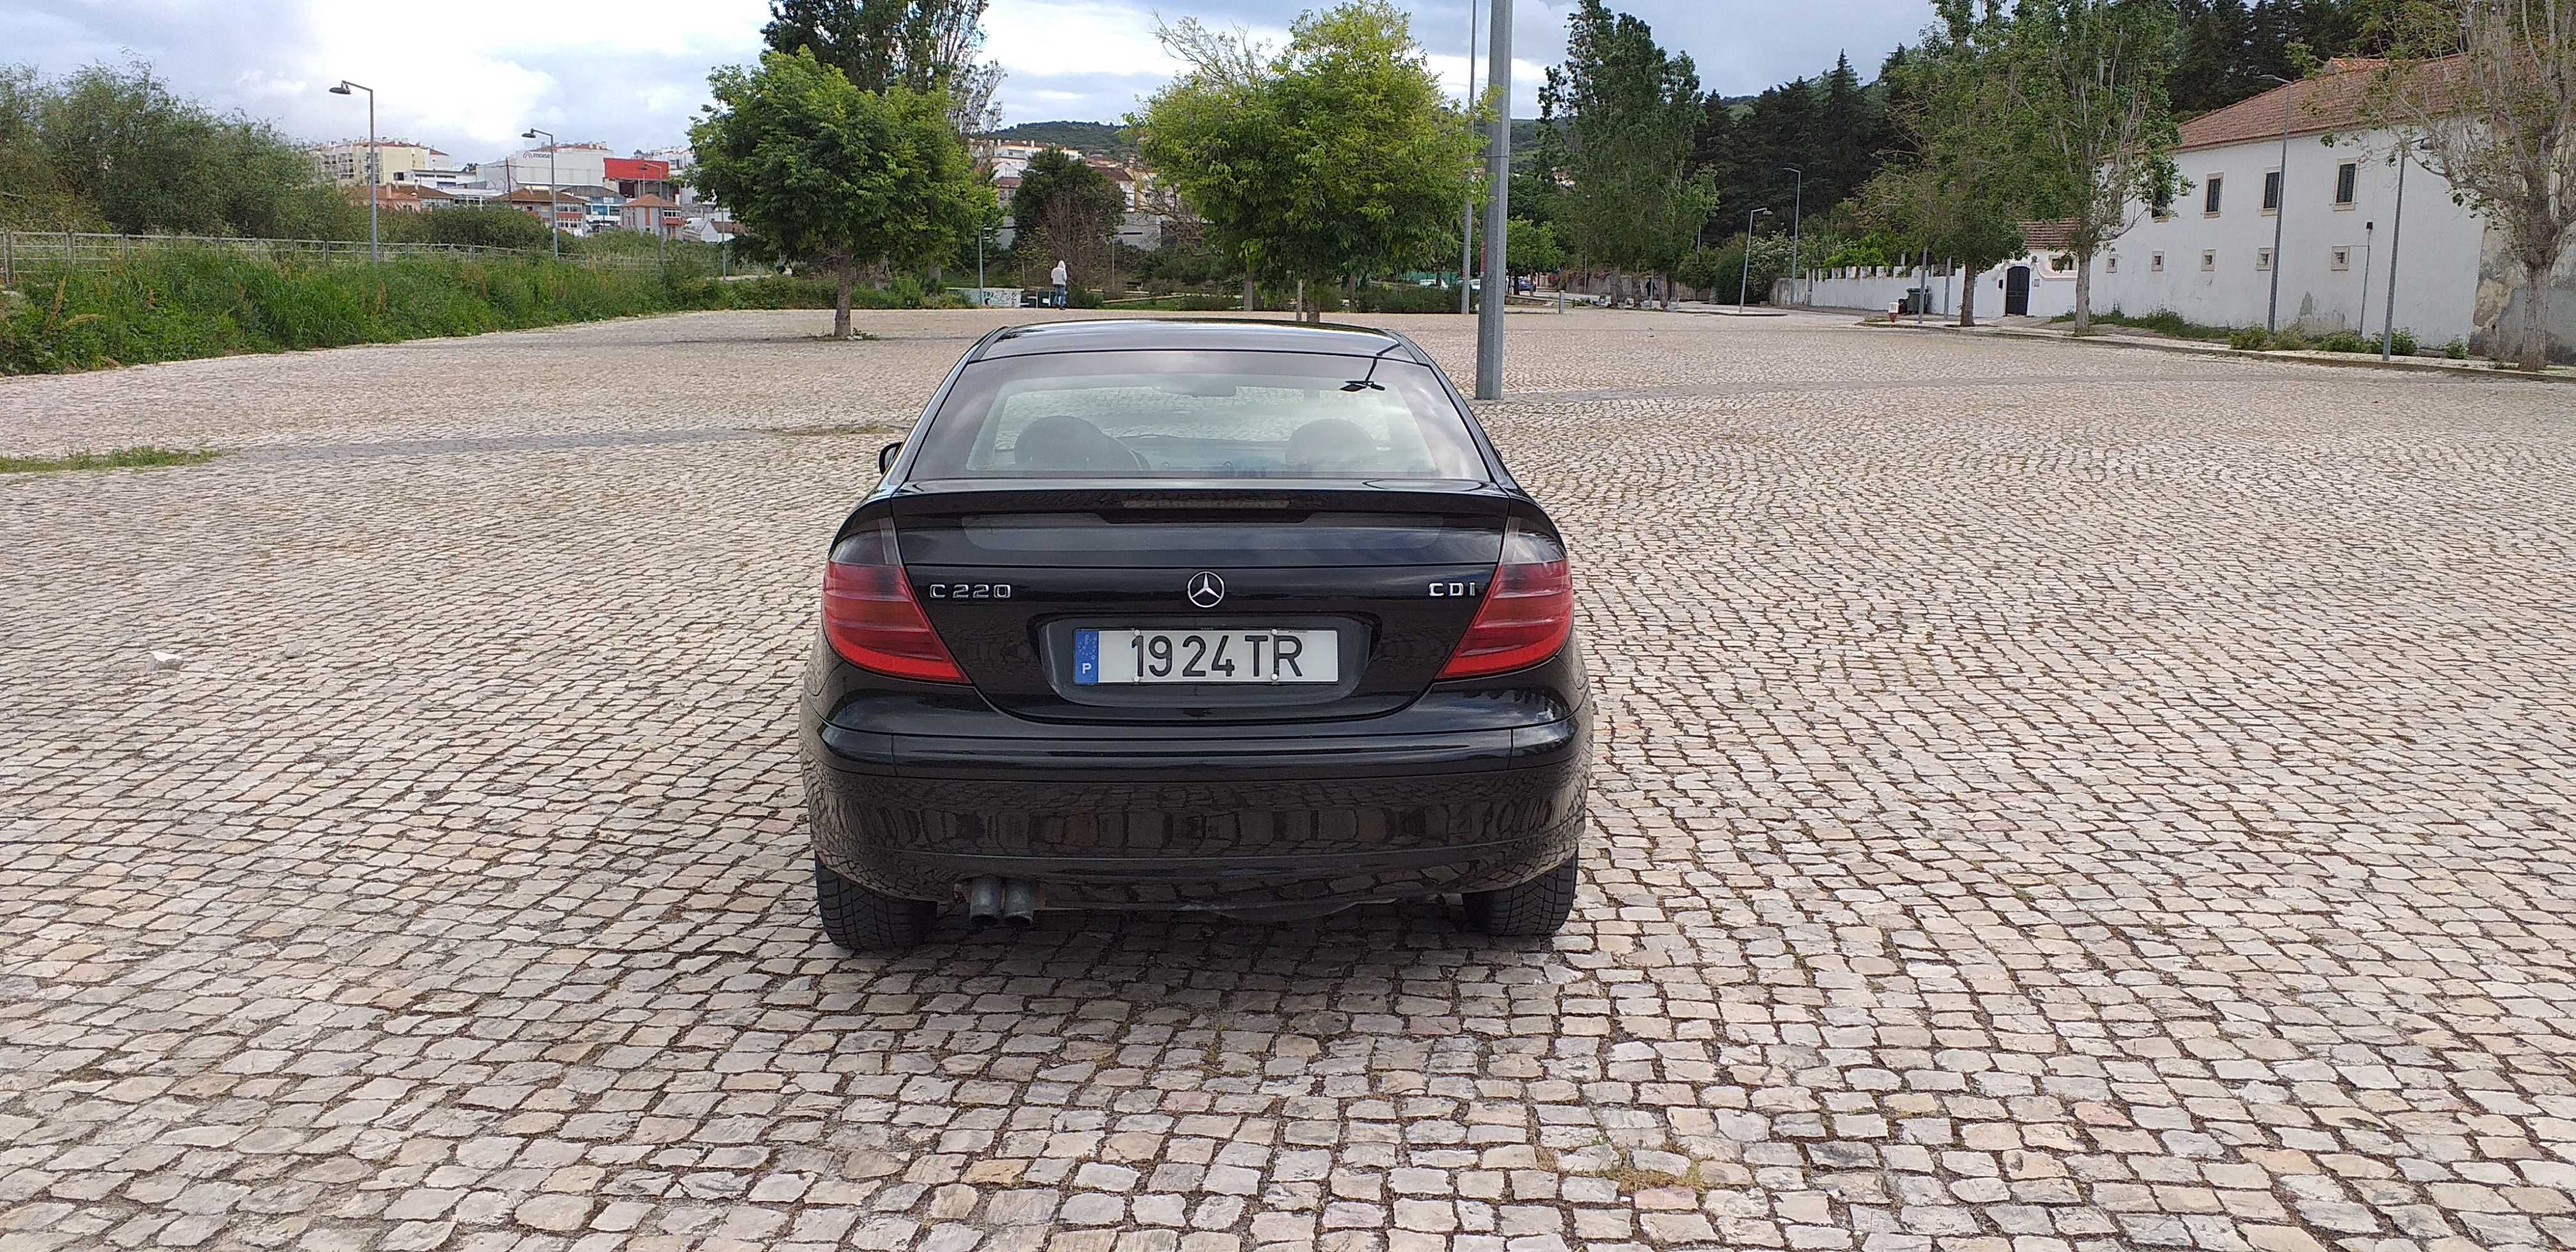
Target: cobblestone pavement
(2050, 798)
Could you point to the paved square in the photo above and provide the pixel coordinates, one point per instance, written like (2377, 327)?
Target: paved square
(2050, 798)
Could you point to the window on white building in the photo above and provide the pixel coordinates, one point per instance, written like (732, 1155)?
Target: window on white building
(2111, 264)
(2209, 195)
(2347, 178)
(2343, 258)
(2156, 263)
(2272, 192)
(2208, 259)
(2262, 258)
(2061, 264)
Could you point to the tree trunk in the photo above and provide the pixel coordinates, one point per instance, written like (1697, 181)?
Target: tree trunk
(2535, 316)
(1251, 297)
(1968, 295)
(2083, 292)
(1664, 282)
(848, 274)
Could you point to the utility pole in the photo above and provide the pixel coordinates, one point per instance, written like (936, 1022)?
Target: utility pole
(1744, 272)
(374, 249)
(2280, 201)
(2396, 227)
(1797, 206)
(554, 190)
(1498, 195)
(2368, 255)
(1467, 210)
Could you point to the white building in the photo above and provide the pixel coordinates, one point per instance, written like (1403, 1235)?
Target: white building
(2208, 256)
(344, 162)
(558, 165)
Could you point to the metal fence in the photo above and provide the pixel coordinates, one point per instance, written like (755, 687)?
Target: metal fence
(26, 251)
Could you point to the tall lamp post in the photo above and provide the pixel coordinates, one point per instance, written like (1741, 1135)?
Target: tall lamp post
(2280, 201)
(1498, 209)
(1797, 205)
(554, 189)
(2396, 228)
(1467, 210)
(346, 88)
(1744, 272)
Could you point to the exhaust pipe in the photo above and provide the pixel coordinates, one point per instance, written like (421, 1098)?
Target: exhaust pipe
(984, 902)
(1020, 903)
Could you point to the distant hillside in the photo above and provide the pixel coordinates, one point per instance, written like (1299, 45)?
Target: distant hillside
(1095, 138)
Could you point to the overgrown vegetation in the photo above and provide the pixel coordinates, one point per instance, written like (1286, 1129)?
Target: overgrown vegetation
(2162, 322)
(168, 304)
(141, 457)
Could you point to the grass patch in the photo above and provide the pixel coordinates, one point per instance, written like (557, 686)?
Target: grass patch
(2162, 321)
(115, 458)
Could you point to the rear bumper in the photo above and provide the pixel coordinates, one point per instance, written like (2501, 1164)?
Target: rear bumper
(1209, 823)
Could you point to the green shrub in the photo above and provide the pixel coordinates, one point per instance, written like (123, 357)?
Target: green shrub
(2343, 341)
(2401, 343)
(2249, 339)
(2457, 349)
(2289, 340)
(175, 303)
(1406, 300)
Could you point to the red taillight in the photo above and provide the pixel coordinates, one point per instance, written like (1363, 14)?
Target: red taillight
(1528, 612)
(870, 616)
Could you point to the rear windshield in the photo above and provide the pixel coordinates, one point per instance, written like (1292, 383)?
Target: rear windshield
(1197, 415)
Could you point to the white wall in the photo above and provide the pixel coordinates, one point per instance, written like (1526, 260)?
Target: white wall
(2438, 254)
(2051, 292)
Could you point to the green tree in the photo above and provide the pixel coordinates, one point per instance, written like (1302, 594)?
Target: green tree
(1532, 248)
(1066, 208)
(1331, 160)
(1960, 191)
(921, 45)
(818, 170)
(1630, 112)
(2083, 105)
(2486, 90)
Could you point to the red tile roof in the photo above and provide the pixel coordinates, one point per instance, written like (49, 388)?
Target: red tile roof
(2040, 237)
(2333, 100)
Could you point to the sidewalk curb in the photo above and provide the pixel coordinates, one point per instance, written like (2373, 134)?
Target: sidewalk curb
(2342, 360)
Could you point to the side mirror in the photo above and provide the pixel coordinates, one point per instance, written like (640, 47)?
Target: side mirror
(887, 454)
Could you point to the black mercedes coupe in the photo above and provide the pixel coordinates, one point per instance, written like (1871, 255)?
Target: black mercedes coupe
(1233, 616)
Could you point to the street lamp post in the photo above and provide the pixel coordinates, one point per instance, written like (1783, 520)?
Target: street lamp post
(1797, 206)
(2368, 255)
(1467, 210)
(2396, 228)
(554, 189)
(1744, 272)
(1498, 195)
(2280, 201)
(374, 249)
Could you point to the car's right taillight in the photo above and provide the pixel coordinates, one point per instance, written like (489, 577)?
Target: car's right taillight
(870, 616)
(1528, 611)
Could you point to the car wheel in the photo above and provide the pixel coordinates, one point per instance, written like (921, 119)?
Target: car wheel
(1535, 908)
(864, 921)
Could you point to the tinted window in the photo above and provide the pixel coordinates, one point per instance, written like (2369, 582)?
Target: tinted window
(1171, 415)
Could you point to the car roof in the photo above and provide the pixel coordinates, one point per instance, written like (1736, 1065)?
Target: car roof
(1199, 334)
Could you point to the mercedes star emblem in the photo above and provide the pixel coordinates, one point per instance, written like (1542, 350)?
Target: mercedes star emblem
(1206, 590)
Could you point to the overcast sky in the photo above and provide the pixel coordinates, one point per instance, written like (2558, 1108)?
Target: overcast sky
(469, 75)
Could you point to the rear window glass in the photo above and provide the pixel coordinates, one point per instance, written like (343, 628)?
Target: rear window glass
(1177, 415)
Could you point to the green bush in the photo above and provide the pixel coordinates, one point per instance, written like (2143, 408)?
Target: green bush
(2401, 343)
(2457, 349)
(1406, 300)
(2344, 341)
(169, 304)
(2249, 339)
(2289, 340)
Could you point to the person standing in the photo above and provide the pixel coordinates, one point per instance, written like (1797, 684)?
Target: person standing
(1058, 277)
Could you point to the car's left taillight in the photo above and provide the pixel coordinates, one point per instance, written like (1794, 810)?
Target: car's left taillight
(870, 616)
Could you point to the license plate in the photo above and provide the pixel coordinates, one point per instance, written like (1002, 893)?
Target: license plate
(1205, 656)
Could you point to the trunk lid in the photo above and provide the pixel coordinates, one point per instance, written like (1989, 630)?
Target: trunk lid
(1009, 576)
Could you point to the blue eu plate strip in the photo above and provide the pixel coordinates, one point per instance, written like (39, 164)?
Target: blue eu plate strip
(1086, 658)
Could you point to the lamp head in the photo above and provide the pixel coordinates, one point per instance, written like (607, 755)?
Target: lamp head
(528, 134)
(341, 90)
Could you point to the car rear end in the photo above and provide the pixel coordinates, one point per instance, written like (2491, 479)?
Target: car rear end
(1212, 627)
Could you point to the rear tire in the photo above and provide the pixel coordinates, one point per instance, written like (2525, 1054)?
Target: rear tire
(1534, 909)
(864, 921)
